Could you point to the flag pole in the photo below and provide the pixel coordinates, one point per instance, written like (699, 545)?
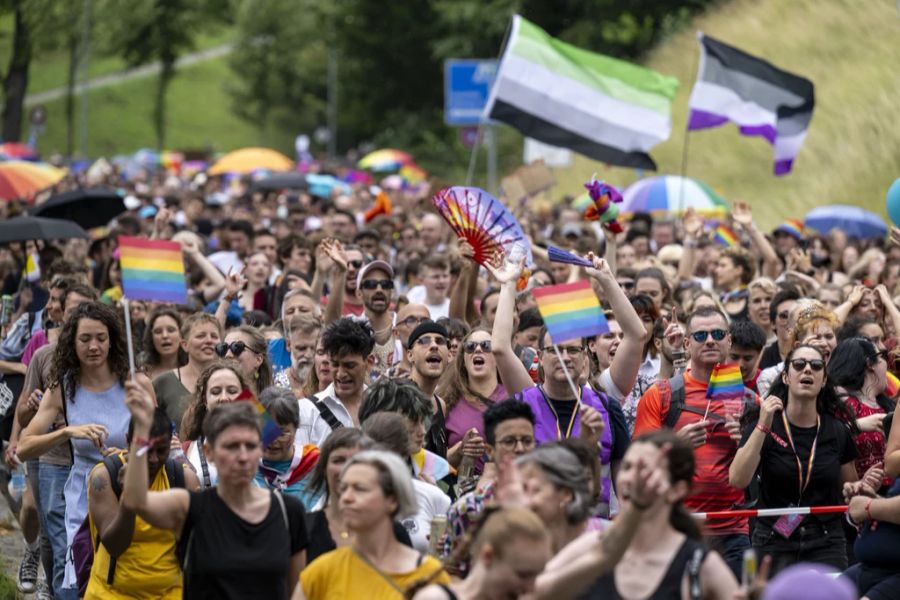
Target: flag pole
(482, 121)
(687, 137)
(128, 339)
(566, 371)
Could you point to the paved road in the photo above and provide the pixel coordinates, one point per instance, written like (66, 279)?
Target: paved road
(130, 74)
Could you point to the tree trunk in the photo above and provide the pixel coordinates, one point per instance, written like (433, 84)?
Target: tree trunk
(16, 82)
(70, 96)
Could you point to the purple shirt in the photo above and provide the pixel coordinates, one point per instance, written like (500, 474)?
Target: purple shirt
(464, 417)
(37, 340)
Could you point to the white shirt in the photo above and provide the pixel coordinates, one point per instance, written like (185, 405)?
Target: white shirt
(225, 260)
(432, 501)
(767, 378)
(313, 428)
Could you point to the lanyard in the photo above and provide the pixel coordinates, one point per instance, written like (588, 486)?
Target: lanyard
(571, 425)
(802, 484)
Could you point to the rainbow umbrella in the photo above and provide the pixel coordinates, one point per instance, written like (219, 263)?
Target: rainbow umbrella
(17, 151)
(19, 179)
(671, 194)
(247, 160)
(386, 159)
(413, 174)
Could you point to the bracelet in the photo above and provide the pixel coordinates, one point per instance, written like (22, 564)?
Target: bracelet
(874, 524)
(141, 446)
(763, 428)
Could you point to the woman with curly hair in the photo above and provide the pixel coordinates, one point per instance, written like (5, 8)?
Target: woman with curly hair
(221, 382)
(89, 370)
(162, 342)
(470, 386)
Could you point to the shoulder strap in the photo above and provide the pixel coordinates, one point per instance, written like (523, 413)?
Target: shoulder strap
(693, 572)
(674, 389)
(113, 465)
(284, 515)
(207, 482)
(326, 413)
(174, 473)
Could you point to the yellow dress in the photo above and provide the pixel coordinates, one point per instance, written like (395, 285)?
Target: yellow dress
(342, 573)
(147, 569)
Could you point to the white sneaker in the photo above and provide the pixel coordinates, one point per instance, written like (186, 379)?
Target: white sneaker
(28, 571)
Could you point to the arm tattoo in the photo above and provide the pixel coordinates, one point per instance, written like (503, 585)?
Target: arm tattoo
(98, 483)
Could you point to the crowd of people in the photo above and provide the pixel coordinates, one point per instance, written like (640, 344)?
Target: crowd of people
(434, 441)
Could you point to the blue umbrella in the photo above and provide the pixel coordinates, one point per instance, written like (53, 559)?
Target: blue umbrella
(853, 220)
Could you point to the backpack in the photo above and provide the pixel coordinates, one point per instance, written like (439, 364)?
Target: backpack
(671, 394)
(83, 547)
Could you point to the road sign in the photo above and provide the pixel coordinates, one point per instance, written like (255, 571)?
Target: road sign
(467, 85)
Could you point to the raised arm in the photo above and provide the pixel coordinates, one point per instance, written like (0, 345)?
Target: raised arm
(463, 291)
(891, 313)
(743, 216)
(332, 253)
(168, 509)
(692, 223)
(513, 373)
(234, 283)
(746, 461)
(191, 249)
(625, 365)
(842, 312)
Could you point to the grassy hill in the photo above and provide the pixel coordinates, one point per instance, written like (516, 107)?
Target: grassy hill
(849, 49)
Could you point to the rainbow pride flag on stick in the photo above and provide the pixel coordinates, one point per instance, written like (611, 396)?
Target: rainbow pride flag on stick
(726, 237)
(727, 384)
(570, 311)
(152, 270)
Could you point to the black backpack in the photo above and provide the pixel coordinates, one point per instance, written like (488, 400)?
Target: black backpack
(671, 394)
(83, 547)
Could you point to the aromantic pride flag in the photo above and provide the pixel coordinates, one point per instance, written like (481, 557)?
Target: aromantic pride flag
(755, 95)
(152, 270)
(607, 109)
(570, 311)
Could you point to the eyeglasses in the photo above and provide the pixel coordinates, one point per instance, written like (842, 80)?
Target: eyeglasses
(717, 334)
(371, 284)
(356, 264)
(427, 340)
(237, 348)
(469, 347)
(413, 321)
(572, 351)
(816, 364)
(510, 442)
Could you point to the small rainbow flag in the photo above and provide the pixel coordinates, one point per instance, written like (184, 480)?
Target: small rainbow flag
(570, 311)
(270, 430)
(726, 236)
(727, 384)
(792, 227)
(152, 270)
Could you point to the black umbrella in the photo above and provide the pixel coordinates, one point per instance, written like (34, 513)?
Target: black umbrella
(21, 229)
(89, 207)
(281, 181)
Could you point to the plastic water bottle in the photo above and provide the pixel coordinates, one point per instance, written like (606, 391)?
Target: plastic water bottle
(17, 483)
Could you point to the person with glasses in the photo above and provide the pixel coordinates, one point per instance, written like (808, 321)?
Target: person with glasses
(407, 318)
(708, 427)
(199, 335)
(220, 383)
(375, 287)
(799, 443)
(859, 368)
(564, 406)
(285, 465)
(508, 433)
(348, 343)
(248, 347)
(428, 353)
(470, 387)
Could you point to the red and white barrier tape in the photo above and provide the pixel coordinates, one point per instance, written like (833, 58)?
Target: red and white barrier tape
(771, 512)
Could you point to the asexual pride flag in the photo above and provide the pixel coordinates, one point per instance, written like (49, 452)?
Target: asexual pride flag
(755, 95)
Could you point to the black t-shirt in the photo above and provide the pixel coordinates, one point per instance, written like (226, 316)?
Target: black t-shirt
(771, 356)
(779, 483)
(564, 411)
(320, 540)
(619, 428)
(233, 559)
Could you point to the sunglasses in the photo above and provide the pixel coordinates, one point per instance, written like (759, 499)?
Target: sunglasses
(717, 334)
(427, 340)
(783, 315)
(356, 264)
(816, 364)
(626, 285)
(413, 321)
(469, 347)
(371, 284)
(881, 354)
(237, 348)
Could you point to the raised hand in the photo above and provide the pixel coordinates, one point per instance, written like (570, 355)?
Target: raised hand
(674, 332)
(799, 260)
(895, 235)
(162, 218)
(234, 283)
(504, 271)
(742, 214)
(509, 489)
(856, 294)
(140, 403)
(190, 245)
(600, 270)
(768, 408)
(883, 294)
(652, 481)
(692, 223)
(592, 425)
(335, 251)
(465, 249)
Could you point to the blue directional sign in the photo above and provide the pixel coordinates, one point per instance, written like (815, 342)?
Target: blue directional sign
(467, 85)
